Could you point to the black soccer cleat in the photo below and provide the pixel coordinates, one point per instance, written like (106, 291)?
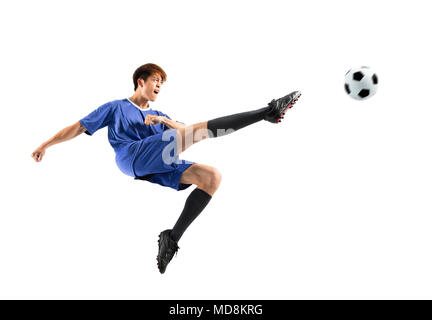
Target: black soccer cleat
(167, 248)
(280, 106)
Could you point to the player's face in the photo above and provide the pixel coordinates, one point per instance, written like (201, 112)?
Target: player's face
(152, 86)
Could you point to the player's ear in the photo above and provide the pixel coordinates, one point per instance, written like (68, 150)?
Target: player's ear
(140, 82)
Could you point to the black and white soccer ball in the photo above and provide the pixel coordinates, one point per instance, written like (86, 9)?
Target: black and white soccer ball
(361, 83)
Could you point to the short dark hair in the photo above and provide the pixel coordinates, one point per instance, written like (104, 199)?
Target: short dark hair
(147, 70)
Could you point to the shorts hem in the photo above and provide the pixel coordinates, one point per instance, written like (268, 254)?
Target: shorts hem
(169, 179)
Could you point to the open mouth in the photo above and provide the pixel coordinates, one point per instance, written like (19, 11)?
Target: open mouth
(156, 92)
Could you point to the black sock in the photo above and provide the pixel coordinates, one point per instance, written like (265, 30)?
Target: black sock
(235, 121)
(195, 204)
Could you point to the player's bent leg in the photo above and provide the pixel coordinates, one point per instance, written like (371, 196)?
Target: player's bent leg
(207, 180)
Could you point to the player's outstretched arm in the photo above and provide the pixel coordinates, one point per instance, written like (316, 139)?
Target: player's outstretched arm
(63, 135)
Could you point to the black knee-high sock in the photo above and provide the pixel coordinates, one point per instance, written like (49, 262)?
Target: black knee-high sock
(195, 204)
(236, 121)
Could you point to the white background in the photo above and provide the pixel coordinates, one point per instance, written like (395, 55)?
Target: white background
(334, 202)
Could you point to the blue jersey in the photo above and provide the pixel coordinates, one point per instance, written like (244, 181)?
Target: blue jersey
(126, 129)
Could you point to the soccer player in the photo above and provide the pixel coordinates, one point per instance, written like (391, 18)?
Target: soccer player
(148, 142)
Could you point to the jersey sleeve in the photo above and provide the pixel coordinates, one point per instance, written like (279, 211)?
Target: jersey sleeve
(99, 118)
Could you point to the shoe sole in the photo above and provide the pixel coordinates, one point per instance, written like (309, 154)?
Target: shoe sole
(158, 255)
(289, 107)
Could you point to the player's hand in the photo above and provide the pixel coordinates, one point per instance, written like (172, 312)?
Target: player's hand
(152, 119)
(38, 154)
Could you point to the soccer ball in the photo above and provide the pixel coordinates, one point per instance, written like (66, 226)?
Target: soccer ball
(361, 83)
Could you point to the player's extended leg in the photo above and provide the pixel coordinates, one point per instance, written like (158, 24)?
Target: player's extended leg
(207, 180)
(218, 127)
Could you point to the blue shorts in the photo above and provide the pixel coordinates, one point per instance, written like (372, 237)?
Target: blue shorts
(156, 161)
